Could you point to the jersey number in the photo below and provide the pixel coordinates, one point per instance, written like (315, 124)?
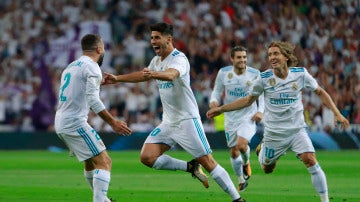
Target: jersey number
(66, 84)
(269, 153)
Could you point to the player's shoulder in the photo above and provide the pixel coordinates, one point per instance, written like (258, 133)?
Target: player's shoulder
(226, 69)
(84, 61)
(177, 53)
(297, 69)
(252, 70)
(267, 73)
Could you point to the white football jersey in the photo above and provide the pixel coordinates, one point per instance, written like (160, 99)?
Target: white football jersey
(177, 98)
(236, 86)
(78, 93)
(283, 98)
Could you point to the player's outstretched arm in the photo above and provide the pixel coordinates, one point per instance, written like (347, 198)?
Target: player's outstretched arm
(326, 99)
(236, 105)
(108, 79)
(133, 77)
(168, 75)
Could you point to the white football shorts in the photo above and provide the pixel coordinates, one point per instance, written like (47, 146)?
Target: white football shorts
(245, 129)
(85, 142)
(276, 144)
(188, 134)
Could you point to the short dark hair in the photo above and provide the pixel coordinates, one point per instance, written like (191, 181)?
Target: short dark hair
(90, 41)
(236, 49)
(163, 28)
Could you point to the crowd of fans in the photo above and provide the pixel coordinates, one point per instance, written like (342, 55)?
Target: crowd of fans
(326, 34)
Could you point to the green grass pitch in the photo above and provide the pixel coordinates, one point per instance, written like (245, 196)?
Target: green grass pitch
(36, 176)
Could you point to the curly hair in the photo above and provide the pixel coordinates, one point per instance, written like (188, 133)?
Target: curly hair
(287, 49)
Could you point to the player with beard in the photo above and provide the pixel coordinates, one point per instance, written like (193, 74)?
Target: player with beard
(78, 93)
(285, 128)
(181, 123)
(240, 126)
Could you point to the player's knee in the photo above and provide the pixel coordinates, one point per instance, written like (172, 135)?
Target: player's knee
(308, 159)
(268, 169)
(147, 160)
(234, 153)
(242, 145)
(108, 162)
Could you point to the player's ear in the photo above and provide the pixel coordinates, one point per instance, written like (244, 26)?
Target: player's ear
(98, 49)
(169, 38)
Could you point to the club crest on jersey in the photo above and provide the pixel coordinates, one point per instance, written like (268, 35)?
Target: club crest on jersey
(294, 86)
(248, 83)
(272, 82)
(230, 75)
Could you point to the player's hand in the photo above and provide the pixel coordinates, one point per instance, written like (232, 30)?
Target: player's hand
(120, 127)
(216, 111)
(213, 104)
(147, 73)
(108, 79)
(257, 117)
(340, 119)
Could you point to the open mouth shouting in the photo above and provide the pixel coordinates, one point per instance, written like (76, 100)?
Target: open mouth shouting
(157, 49)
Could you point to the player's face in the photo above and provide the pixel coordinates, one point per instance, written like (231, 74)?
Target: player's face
(160, 43)
(276, 59)
(239, 61)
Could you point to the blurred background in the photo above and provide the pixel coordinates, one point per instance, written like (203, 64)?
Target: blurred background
(38, 38)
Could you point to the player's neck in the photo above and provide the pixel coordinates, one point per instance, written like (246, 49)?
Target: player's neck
(91, 55)
(282, 73)
(239, 71)
(168, 51)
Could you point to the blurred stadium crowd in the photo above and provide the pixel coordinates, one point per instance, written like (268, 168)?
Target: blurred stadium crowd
(326, 33)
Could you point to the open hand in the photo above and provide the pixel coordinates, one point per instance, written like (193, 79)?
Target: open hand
(108, 79)
(121, 127)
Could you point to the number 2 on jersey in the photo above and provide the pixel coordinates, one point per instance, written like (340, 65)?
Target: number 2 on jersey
(66, 84)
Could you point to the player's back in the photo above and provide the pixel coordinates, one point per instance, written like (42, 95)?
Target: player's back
(73, 107)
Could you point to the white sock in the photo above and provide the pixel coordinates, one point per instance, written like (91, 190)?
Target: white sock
(222, 178)
(246, 156)
(261, 157)
(318, 180)
(101, 182)
(238, 169)
(89, 178)
(165, 162)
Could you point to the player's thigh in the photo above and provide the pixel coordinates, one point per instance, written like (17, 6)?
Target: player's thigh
(235, 133)
(246, 129)
(231, 138)
(85, 142)
(160, 135)
(273, 148)
(150, 150)
(302, 143)
(190, 135)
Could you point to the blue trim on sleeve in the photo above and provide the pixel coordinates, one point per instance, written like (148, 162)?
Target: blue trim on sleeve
(297, 69)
